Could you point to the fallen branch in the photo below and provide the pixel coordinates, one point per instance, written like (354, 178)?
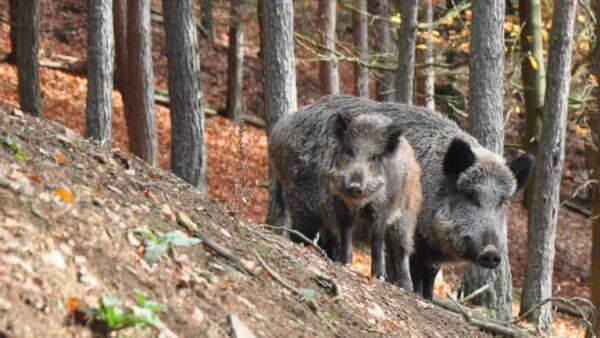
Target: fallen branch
(487, 324)
(475, 294)
(327, 282)
(222, 251)
(300, 235)
(276, 277)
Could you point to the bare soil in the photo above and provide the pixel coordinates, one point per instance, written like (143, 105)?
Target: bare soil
(55, 251)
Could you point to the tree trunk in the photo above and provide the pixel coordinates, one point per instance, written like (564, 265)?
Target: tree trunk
(27, 62)
(533, 76)
(188, 154)
(120, 31)
(140, 96)
(384, 81)
(407, 37)
(235, 61)
(277, 38)
(426, 76)
(360, 36)
(543, 214)
(328, 69)
(13, 15)
(594, 166)
(98, 111)
(485, 123)
(206, 12)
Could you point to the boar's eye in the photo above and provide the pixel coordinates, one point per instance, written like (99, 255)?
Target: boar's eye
(502, 202)
(472, 197)
(349, 152)
(375, 158)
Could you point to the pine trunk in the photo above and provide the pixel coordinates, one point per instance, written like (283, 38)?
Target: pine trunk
(485, 123)
(594, 166)
(425, 95)
(235, 61)
(13, 15)
(140, 97)
(407, 37)
(328, 69)
(121, 55)
(533, 75)
(384, 81)
(543, 213)
(27, 62)
(99, 71)
(277, 42)
(361, 42)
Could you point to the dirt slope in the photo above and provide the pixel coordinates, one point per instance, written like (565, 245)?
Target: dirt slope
(66, 211)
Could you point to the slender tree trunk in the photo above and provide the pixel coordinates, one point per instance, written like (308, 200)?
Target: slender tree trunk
(206, 12)
(543, 214)
(188, 154)
(533, 74)
(426, 76)
(235, 61)
(485, 123)
(328, 69)
(140, 96)
(361, 43)
(27, 62)
(98, 110)
(407, 37)
(13, 13)
(121, 55)
(384, 82)
(594, 166)
(277, 41)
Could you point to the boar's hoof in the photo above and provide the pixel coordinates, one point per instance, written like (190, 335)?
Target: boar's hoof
(490, 258)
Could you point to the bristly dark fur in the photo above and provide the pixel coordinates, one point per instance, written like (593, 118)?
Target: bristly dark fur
(522, 168)
(458, 158)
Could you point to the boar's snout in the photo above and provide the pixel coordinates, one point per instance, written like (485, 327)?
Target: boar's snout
(489, 258)
(355, 189)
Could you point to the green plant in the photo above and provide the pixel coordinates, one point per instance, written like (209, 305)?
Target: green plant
(156, 245)
(145, 312)
(14, 147)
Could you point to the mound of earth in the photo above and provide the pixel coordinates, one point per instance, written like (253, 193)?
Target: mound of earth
(75, 221)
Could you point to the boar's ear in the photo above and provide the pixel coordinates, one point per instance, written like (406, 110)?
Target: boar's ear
(458, 158)
(521, 168)
(342, 122)
(393, 138)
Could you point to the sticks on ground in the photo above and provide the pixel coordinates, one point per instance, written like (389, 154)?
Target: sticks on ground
(300, 235)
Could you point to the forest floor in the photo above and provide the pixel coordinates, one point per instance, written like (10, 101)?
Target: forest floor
(237, 175)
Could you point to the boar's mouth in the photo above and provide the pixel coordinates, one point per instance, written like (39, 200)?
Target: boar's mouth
(353, 194)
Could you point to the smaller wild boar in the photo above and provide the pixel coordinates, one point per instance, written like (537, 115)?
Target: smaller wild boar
(340, 171)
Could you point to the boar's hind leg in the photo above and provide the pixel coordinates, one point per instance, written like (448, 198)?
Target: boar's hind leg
(330, 242)
(397, 259)
(423, 277)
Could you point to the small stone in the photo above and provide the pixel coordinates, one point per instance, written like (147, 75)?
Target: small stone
(197, 316)
(55, 258)
(238, 328)
(166, 210)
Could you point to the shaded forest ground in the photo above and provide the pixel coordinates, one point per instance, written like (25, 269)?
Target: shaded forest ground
(64, 34)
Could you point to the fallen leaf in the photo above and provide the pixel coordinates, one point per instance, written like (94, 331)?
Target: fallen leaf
(64, 194)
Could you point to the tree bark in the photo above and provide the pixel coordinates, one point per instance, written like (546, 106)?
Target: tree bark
(594, 166)
(100, 50)
(407, 37)
(425, 95)
(235, 61)
(360, 35)
(486, 124)
(543, 214)
(121, 55)
(142, 131)
(384, 81)
(533, 75)
(13, 15)
(277, 41)
(206, 19)
(188, 154)
(328, 69)
(27, 62)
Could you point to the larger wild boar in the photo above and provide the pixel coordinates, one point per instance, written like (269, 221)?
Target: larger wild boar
(339, 171)
(465, 188)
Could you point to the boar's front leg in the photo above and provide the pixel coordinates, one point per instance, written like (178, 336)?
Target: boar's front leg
(397, 246)
(423, 277)
(377, 237)
(330, 242)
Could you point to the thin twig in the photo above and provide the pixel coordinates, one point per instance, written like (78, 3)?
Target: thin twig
(276, 277)
(475, 293)
(299, 234)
